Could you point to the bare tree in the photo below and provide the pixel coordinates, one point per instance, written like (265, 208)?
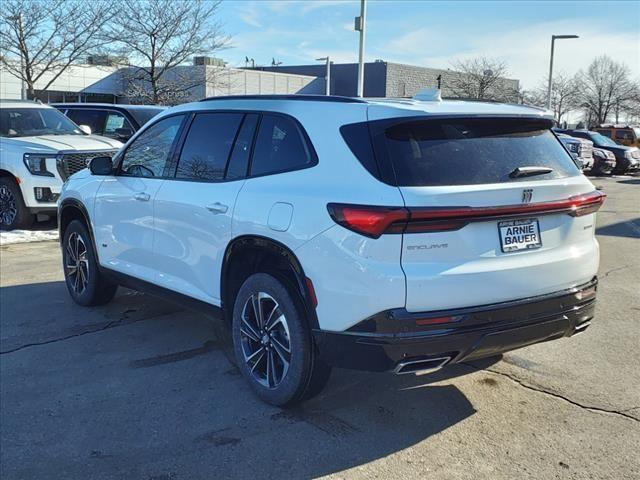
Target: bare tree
(481, 78)
(39, 40)
(605, 84)
(161, 35)
(566, 95)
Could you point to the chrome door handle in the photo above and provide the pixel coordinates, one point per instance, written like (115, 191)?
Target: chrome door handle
(143, 197)
(217, 207)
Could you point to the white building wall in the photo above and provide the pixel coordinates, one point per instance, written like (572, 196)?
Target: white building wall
(232, 81)
(78, 78)
(213, 81)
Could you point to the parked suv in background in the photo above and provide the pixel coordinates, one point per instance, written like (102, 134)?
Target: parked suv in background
(383, 235)
(114, 121)
(622, 134)
(39, 149)
(581, 150)
(627, 158)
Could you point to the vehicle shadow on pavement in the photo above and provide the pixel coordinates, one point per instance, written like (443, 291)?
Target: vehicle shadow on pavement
(628, 228)
(142, 389)
(632, 181)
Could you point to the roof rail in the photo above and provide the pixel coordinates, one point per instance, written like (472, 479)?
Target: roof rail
(299, 97)
(17, 100)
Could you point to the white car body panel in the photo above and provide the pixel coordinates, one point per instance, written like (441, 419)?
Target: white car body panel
(124, 226)
(189, 240)
(174, 241)
(470, 260)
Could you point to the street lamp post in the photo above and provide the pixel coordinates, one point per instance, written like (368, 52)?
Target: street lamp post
(361, 23)
(553, 41)
(23, 89)
(327, 88)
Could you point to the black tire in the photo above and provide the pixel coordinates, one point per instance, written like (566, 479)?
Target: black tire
(14, 214)
(305, 375)
(86, 286)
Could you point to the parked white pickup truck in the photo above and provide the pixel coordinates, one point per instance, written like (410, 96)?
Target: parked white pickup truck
(39, 149)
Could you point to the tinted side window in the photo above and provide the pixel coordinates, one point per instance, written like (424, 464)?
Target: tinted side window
(149, 154)
(115, 120)
(95, 119)
(239, 161)
(606, 133)
(207, 146)
(280, 146)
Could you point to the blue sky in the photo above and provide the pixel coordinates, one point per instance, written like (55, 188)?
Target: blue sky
(436, 33)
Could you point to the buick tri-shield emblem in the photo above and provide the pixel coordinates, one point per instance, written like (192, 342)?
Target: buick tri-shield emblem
(527, 193)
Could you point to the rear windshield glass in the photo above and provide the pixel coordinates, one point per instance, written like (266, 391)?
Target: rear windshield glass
(468, 151)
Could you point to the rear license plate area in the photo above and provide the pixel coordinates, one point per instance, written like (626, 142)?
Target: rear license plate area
(517, 235)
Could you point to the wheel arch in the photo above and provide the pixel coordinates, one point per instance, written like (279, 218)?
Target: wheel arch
(6, 173)
(72, 209)
(250, 254)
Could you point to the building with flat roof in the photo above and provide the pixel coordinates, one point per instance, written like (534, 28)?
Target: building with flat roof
(386, 79)
(113, 84)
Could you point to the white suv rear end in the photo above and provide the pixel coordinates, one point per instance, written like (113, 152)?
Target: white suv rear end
(384, 235)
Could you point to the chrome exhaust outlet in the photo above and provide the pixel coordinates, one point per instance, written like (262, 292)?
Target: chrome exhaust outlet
(421, 366)
(582, 327)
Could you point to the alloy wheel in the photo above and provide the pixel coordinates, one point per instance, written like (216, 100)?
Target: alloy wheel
(8, 207)
(265, 340)
(77, 263)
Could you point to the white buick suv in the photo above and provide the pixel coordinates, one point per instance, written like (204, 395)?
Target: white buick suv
(384, 235)
(39, 149)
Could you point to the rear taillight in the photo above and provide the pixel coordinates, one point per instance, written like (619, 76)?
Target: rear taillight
(586, 203)
(369, 221)
(373, 221)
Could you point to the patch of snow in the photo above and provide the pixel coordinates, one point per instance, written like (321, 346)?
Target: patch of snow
(26, 236)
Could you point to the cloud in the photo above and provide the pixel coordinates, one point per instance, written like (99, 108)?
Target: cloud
(249, 15)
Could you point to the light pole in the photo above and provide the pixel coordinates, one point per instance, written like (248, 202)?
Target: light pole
(553, 41)
(361, 24)
(23, 89)
(327, 88)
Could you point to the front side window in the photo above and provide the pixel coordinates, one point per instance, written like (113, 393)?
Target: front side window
(280, 146)
(207, 146)
(150, 153)
(115, 121)
(94, 119)
(28, 122)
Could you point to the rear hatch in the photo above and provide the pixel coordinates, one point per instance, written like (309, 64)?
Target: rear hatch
(497, 209)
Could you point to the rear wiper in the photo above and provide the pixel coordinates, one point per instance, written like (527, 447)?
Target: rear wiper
(529, 171)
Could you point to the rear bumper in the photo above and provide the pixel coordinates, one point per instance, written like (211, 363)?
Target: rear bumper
(382, 342)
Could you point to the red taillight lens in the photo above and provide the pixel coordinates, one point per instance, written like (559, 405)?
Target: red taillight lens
(374, 221)
(586, 203)
(369, 221)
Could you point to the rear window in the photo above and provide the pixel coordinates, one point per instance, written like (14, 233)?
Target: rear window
(467, 151)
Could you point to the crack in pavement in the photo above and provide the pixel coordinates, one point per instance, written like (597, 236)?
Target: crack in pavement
(120, 322)
(606, 274)
(516, 380)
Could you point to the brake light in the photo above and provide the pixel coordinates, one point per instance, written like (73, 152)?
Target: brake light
(586, 203)
(373, 221)
(369, 221)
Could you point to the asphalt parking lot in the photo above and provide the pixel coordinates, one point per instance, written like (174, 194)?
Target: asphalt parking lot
(142, 389)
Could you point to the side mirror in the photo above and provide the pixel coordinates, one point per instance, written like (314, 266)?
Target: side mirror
(124, 133)
(85, 128)
(101, 166)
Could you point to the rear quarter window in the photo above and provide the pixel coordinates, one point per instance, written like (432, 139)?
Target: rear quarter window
(468, 151)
